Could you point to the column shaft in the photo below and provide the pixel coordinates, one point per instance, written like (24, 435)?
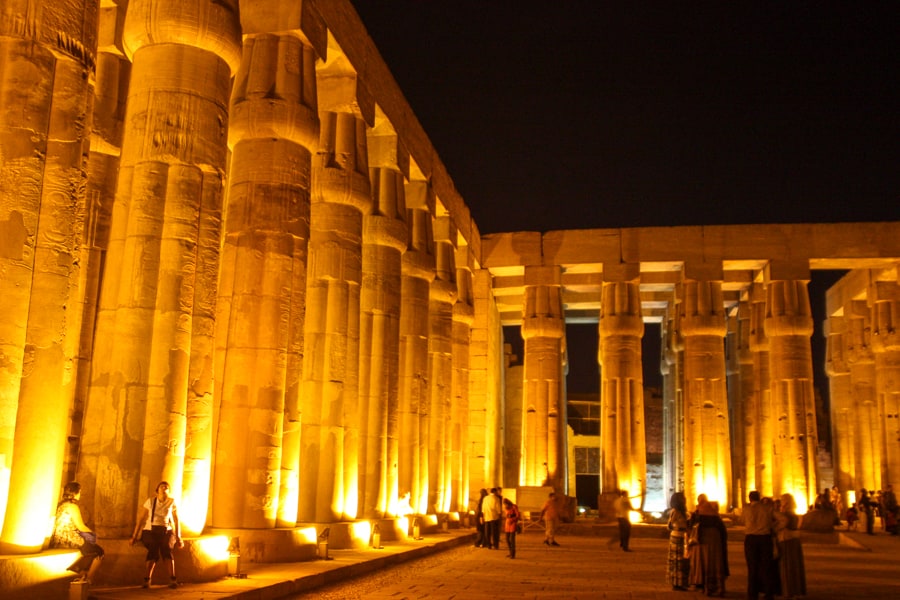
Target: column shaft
(274, 127)
(330, 420)
(623, 451)
(707, 443)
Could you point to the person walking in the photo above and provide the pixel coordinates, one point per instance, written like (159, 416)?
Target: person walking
(759, 524)
(550, 516)
(69, 531)
(491, 509)
(677, 564)
(867, 506)
(511, 526)
(623, 510)
(159, 530)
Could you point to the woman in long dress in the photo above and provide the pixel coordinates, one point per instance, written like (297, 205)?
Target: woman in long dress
(69, 531)
(677, 565)
(790, 550)
(709, 556)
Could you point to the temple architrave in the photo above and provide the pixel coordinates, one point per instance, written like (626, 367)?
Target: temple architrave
(231, 259)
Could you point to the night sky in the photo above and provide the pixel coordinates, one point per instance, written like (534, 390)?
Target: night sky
(584, 114)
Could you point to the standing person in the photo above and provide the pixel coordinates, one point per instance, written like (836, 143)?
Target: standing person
(709, 556)
(790, 550)
(759, 523)
(481, 538)
(676, 568)
(491, 510)
(511, 511)
(159, 529)
(69, 531)
(866, 506)
(623, 509)
(550, 516)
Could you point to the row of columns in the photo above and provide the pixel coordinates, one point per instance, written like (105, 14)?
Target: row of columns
(863, 366)
(247, 290)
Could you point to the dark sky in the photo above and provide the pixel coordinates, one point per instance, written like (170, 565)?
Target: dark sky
(557, 115)
(587, 113)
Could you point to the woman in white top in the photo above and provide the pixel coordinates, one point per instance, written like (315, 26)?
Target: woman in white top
(159, 530)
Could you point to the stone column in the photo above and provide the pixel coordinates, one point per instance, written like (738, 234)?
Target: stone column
(762, 402)
(110, 93)
(789, 326)
(884, 298)
(154, 321)
(543, 330)
(463, 319)
(673, 415)
(746, 414)
(48, 54)
(442, 297)
(707, 444)
(843, 427)
(486, 387)
(868, 430)
(623, 447)
(274, 130)
(385, 238)
(418, 272)
(330, 394)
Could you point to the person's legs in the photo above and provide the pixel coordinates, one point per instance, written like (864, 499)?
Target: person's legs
(497, 534)
(752, 568)
(511, 543)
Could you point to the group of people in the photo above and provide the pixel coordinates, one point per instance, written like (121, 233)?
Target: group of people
(698, 547)
(881, 505)
(493, 512)
(157, 528)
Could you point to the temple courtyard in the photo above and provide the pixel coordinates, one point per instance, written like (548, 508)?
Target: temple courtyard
(446, 565)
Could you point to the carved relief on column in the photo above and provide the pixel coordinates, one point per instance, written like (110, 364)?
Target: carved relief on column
(154, 322)
(543, 329)
(385, 237)
(463, 320)
(47, 53)
(622, 429)
(274, 130)
(789, 326)
(341, 197)
(764, 433)
(884, 298)
(843, 417)
(867, 428)
(442, 297)
(707, 439)
(418, 271)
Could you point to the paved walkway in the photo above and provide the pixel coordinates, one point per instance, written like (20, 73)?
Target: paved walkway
(584, 566)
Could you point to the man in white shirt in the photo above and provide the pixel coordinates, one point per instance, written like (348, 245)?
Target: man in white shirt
(491, 509)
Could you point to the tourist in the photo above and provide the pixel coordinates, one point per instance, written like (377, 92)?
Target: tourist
(867, 507)
(491, 510)
(677, 566)
(69, 531)
(512, 514)
(836, 502)
(480, 538)
(622, 507)
(550, 516)
(159, 530)
(708, 558)
(790, 551)
(759, 523)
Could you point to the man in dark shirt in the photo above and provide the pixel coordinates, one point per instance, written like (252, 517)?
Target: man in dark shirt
(759, 522)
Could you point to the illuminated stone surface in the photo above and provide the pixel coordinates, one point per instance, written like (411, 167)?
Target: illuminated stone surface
(231, 258)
